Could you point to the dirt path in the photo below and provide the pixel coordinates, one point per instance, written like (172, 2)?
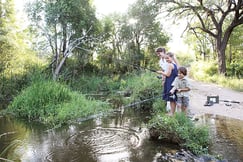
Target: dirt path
(200, 91)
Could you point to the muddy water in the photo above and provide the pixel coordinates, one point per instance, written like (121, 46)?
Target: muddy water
(226, 136)
(114, 138)
(118, 137)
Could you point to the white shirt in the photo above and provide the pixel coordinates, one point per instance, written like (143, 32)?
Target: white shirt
(163, 64)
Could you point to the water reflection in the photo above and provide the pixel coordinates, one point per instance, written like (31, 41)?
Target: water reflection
(226, 136)
(113, 138)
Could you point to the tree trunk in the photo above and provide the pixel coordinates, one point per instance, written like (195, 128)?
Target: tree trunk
(58, 68)
(221, 61)
(221, 47)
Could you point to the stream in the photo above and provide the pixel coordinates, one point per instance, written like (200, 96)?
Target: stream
(118, 137)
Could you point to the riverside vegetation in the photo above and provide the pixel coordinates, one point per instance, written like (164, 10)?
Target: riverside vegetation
(55, 103)
(58, 103)
(36, 97)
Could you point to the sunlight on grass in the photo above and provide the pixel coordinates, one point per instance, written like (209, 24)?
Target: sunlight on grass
(207, 72)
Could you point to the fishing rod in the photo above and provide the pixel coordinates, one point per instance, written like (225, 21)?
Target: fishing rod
(229, 101)
(113, 111)
(215, 99)
(171, 96)
(139, 102)
(152, 70)
(211, 100)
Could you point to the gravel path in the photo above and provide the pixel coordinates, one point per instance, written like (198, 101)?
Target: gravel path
(198, 97)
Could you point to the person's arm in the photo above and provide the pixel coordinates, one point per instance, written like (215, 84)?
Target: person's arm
(174, 85)
(173, 90)
(187, 87)
(167, 72)
(183, 89)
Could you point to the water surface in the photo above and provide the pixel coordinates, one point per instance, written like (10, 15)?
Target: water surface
(117, 137)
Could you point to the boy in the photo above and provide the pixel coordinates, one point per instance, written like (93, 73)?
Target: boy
(181, 87)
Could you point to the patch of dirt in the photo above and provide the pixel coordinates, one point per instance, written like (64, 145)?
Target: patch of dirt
(198, 97)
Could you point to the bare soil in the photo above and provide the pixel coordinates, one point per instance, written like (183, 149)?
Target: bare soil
(198, 97)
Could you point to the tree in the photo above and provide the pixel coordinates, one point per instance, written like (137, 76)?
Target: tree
(217, 18)
(68, 27)
(131, 36)
(203, 45)
(7, 32)
(235, 47)
(143, 31)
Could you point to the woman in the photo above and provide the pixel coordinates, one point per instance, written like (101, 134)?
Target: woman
(170, 75)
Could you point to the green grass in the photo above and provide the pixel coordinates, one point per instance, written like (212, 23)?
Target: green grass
(207, 72)
(182, 131)
(144, 85)
(53, 103)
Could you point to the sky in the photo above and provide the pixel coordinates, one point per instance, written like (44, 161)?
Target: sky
(105, 7)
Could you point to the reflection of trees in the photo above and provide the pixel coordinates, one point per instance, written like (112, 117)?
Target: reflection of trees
(12, 138)
(2, 152)
(86, 141)
(226, 136)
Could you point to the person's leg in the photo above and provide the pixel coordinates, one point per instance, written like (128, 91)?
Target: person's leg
(178, 104)
(185, 104)
(172, 107)
(184, 109)
(168, 106)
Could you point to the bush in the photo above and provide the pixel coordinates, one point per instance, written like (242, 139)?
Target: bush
(11, 83)
(144, 85)
(179, 129)
(159, 106)
(207, 72)
(185, 59)
(53, 103)
(235, 69)
(94, 83)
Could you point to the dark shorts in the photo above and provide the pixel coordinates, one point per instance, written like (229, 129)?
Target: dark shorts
(170, 97)
(183, 101)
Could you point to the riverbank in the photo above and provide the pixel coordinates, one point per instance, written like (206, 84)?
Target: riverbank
(198, 97)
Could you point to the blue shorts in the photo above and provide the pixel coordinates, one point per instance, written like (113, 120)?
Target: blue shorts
(183, 101)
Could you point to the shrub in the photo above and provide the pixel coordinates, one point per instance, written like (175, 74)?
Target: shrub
(185, 59)
(94, 83)
(179, 129)
(159, 106)
(53, 103)
(143, 85)
(235, 69)
(207, 72)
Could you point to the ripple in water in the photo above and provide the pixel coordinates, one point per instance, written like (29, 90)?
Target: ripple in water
(100, 144)
(106, 140)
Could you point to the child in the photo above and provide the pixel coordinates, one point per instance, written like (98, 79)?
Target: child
(181, 87)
